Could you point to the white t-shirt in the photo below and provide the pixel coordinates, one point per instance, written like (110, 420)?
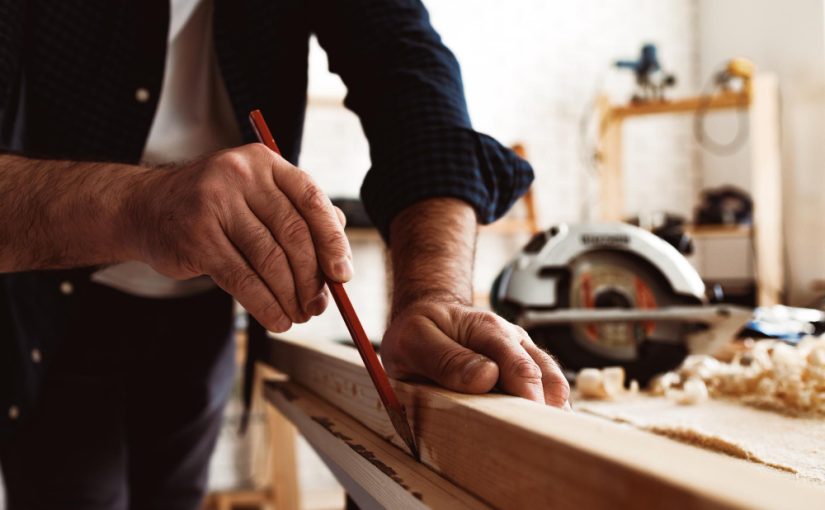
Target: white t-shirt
(194, 117)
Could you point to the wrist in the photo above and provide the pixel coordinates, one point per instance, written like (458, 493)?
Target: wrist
(432, 249)
(135, 218)
(409, 299)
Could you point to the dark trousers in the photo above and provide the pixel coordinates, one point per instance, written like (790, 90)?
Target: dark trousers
(130, 407)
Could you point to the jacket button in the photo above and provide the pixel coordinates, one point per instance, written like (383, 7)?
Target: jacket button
(36, 356)
(66, 288)
(14, 412)
(142, 95)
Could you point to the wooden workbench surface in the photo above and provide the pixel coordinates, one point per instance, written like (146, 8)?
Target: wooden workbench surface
(792, 444)
(505, 452)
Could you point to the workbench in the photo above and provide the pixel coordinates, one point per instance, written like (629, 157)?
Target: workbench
(498, 451)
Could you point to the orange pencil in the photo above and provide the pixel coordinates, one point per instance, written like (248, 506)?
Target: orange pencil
(395, 410)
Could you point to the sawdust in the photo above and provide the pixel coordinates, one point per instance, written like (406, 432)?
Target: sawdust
(717, 444)
(791, 444)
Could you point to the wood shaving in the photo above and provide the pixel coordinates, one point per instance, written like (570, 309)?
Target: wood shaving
(606, 383)
(769, 374)
(694, 391)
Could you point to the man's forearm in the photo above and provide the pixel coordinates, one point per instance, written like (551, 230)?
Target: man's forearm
(432, 245)
(59, 214)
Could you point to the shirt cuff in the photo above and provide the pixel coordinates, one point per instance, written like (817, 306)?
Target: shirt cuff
(447, 162)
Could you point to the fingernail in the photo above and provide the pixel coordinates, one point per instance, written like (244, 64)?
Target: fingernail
(343, 269)
(473, 369)
(317, 305)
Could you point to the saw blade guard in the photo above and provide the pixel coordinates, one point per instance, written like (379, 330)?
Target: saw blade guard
(602, 266)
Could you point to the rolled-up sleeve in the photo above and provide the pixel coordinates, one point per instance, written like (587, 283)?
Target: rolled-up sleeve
(405, 86)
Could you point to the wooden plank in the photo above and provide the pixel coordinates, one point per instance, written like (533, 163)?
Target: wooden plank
(375, 473)
(721, 101)
(611, 118)
(719, 231)
(512, 453)
(227, 500)
(766, 184)
(285, 491)
(611, 178)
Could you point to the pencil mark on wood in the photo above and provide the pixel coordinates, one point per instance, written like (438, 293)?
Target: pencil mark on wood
(287, 393)
(366, 454)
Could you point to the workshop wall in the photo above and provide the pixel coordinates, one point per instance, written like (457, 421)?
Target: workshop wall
(786, 38)
(531, 70)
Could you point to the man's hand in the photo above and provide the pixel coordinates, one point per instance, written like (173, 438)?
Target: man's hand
(435, 333)
(257, 225)
(471, 351)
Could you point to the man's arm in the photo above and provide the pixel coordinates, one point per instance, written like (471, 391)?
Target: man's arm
(256, 224)
(435, 333)
(59, 214)
(405, 86)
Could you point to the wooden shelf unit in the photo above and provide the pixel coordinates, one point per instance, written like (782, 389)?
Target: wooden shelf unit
(761, 98)
(719, 231)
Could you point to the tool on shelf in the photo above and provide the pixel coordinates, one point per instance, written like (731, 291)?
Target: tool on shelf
(650, 78)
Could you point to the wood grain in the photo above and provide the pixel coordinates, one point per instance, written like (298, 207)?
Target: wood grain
(374, 472)
(511, 453)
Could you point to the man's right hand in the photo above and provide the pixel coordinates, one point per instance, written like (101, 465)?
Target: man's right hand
(259, 226)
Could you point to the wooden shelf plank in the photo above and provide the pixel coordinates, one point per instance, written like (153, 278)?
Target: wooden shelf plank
(362, 234)
(719, 231)
(511, 453)
(761, 99)
(722, 101)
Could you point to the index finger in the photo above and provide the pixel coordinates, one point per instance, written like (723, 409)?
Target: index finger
(331, 244)
(556, 387)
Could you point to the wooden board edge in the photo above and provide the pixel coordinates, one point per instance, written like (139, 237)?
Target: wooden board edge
(508, 451)
(376, 474)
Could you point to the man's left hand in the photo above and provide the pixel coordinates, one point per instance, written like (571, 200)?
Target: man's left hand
(470, 351)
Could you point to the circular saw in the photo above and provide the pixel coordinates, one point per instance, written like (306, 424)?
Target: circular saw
(598, 295)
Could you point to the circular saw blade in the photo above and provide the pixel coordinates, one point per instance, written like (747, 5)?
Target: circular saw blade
(616, 279)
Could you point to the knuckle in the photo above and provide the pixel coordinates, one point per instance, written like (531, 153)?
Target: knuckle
(337, 242)
(258, 149)
(236, 165)
(526, 369)
(227, 160)
(242, 280)
(295, 230)
(451, 361)
(272, 260)
(313, 198)
(487, 321)
(558, 387)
